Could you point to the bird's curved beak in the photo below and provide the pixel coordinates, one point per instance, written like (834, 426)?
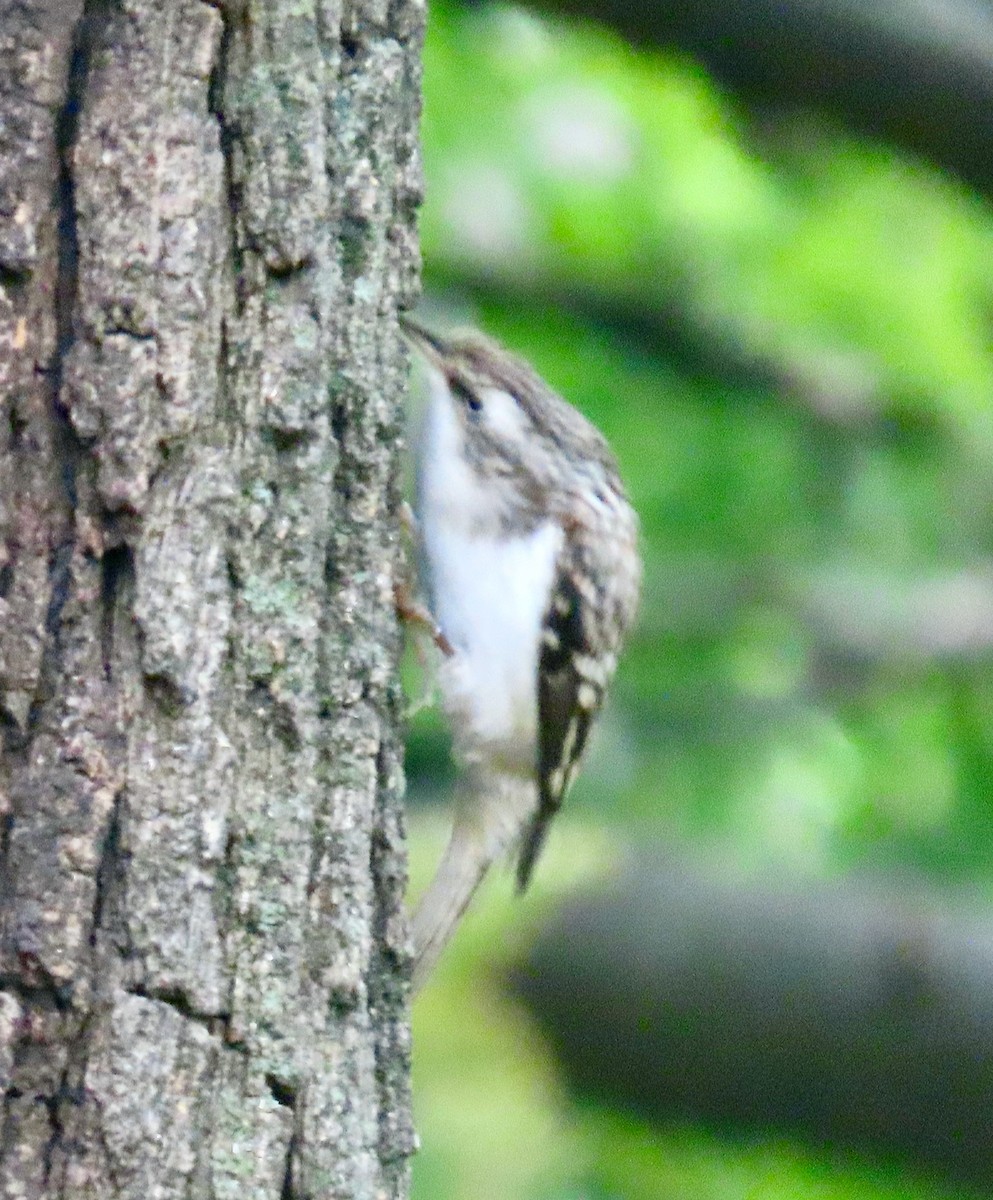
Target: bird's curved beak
(433, 347)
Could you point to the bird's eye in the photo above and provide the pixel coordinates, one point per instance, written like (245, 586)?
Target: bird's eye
(466, 395)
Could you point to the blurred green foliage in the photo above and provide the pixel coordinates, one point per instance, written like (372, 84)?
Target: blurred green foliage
(809, 683)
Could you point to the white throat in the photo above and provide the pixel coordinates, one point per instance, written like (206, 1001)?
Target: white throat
(489, 591)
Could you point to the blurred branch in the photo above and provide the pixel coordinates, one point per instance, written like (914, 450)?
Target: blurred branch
(944, 618)
(837, 389)
(850, 1015)
(918, 73)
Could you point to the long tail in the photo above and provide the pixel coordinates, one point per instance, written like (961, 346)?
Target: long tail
(487, 822)
(440, 909)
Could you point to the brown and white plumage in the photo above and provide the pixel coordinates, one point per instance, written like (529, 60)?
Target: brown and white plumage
(530, 561)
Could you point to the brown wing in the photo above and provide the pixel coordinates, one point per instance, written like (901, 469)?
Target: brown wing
(569, 695)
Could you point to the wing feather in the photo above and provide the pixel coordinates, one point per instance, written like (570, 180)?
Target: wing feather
(570, 691)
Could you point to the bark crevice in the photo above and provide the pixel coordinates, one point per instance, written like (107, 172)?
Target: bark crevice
(286, 1191)
(108, 875)
(93, 19)
(116, 573)
(231, 19)
(215, 1023)
(284, 1095)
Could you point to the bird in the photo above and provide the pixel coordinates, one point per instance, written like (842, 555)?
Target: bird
(528, 554)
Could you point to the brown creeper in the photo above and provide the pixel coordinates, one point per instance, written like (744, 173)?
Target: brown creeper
(530, 562)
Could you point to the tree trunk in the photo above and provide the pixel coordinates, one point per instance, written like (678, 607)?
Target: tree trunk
(206, 228)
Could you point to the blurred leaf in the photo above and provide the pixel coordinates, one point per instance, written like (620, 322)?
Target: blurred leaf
(809, 684)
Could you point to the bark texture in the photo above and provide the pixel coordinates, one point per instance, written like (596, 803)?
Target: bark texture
(206, 228)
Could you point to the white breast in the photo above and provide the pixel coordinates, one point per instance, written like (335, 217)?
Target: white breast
(489, 593)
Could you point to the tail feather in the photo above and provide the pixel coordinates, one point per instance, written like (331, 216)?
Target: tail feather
(465, 862)
(532, 844)
(492, 811)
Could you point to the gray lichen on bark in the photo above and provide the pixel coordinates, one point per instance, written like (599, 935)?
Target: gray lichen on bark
(206, 229)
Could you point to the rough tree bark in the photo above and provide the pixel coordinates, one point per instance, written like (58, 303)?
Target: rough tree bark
(206, 228)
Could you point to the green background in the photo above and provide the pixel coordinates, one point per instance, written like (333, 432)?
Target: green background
(784, 333)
